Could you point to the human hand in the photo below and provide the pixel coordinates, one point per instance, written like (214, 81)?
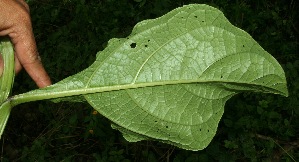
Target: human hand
(16, 23)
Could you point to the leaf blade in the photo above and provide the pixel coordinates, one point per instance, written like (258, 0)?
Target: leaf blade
(169, 80)
(215, 62)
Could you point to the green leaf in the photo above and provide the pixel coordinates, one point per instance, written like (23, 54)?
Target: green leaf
(4, 115)
(169, 80)
(7, 73)
(6, 80)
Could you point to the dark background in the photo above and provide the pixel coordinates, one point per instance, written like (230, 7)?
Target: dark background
(69, 33)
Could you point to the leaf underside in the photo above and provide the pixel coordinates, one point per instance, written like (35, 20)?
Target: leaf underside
(169, 80)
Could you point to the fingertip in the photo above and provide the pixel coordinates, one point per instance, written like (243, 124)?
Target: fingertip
(44, 83)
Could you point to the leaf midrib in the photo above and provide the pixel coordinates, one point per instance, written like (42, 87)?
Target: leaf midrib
(42, 94)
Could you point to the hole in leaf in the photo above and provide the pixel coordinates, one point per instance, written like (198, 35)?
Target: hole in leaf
(133, 45)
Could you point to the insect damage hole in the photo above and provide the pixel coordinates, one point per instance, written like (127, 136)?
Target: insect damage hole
(133, 45)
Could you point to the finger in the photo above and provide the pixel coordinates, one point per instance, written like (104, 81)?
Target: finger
(26, 50)
(18, 66)
(18, 28)
(27, 55)
(29, 58)
(23, 4)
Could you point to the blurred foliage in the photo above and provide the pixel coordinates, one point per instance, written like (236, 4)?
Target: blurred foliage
(254, 127)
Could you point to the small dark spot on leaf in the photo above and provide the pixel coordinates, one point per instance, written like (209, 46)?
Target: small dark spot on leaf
(166, 126)
(199, 129)
(156, 121)
(149, 40)
(202, 21)
(243, 45)
(133, 45)
(195, 16)
(146, 45)
(208, 130)
(221, 76)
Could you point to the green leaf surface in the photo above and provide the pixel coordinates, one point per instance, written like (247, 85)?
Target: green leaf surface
(4, 115)
(6, 80)
(169, 80)
(7, 73)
